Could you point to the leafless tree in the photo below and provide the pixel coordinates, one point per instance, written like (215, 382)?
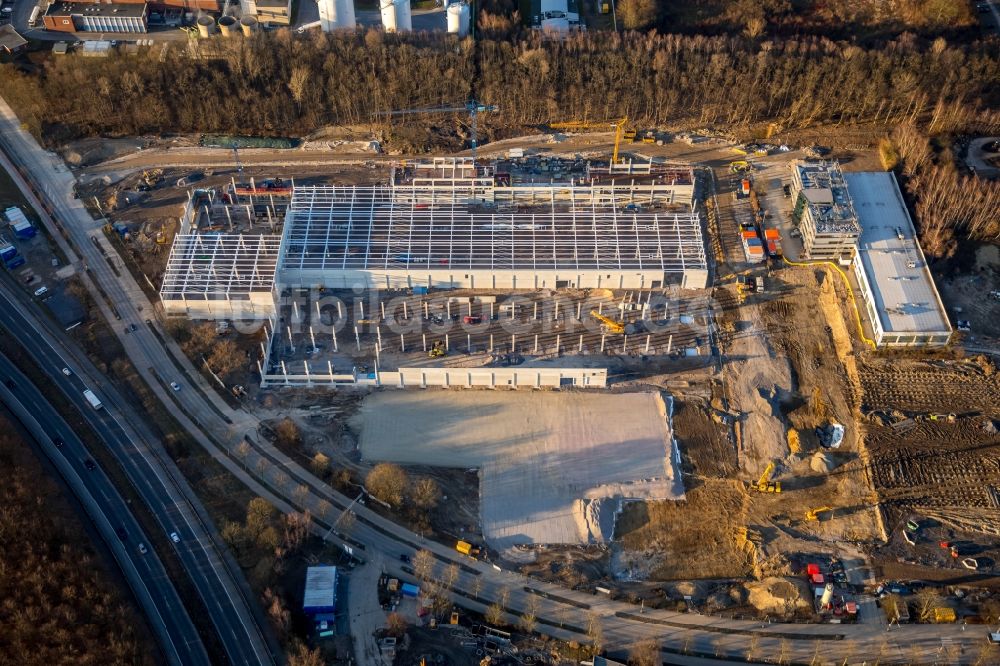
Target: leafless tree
(645, 653)
(388, 483)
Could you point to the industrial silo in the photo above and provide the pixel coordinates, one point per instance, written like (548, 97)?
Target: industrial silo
(396, 15)
(227, 26)
(404, 22)
(249, 25)
(336, 14)
(206, 26)
(458, 19)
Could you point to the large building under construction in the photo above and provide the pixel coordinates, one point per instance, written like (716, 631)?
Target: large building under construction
(447, 225)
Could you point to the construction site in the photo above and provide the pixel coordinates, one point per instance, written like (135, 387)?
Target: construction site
(689, 397)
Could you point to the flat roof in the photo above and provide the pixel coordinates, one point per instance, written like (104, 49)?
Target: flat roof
(828, 198)
(365, 228)
(906, 298)
(321, 588)
(219, 266)
(10, 40)
(103, 10)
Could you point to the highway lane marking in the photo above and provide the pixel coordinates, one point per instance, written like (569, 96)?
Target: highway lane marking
(206, 560)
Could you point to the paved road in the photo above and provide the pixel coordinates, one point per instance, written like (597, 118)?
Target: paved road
(561, 612)
(154, 476)
(237, 619)
(109, 511)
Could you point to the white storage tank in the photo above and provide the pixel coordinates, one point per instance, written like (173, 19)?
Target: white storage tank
(336, 14)
(396, 15)
(458, 19)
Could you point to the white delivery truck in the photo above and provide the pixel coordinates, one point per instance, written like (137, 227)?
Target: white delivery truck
(92, 399)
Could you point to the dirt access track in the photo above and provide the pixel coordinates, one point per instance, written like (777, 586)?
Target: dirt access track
(554, 466)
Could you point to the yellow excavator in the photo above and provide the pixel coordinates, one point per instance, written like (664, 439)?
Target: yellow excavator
(436, 350)
(764, 483)
(738, 166)
(813, 514)
(619, 126)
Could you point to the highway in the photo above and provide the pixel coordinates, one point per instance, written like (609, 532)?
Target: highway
(154, 476)
(109, 512)
(561, 613)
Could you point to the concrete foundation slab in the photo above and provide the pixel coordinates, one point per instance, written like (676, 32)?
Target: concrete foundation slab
(554, 466)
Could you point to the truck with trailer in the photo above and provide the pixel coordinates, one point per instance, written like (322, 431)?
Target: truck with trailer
(92, 399)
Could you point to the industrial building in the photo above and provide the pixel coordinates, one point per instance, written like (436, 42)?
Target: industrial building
(85, 17)
(448, 225)
(900, 298)
(221, 276)
(378, 237)
(823, 211)
(319, 600)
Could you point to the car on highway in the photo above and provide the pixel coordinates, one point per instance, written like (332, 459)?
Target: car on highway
(174, 537)
(9, 383)
(122, 534)
(90, 464)
(67, 372)
(175, 386)
(133, 328)
(41, 291)
(404, 558)
(142, 548)
(58, 442)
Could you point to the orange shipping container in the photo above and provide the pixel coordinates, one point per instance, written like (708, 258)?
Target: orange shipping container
(772, 234)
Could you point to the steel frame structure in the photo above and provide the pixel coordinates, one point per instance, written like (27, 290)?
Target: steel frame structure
(351, 228)
(219, 267)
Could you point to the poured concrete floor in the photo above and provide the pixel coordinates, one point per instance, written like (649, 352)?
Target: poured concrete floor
(553, 466)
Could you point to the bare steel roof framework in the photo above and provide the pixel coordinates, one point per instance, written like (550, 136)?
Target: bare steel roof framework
(220, 266)
(367, 228)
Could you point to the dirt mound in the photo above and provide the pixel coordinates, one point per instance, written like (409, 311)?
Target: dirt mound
(822, 463)
(779, 596)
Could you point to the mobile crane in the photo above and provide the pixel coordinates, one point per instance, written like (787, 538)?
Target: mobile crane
(619, 126)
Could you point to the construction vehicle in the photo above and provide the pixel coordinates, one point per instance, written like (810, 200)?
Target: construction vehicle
(608, 325)
(739, 165)
(436, 350)
(618, 125)
(813, 514)
(764, 483)
(649, 137)
(467, 548)
(151, 178)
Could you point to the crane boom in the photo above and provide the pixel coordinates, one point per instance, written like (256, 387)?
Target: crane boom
(610, 324)
(617, 125)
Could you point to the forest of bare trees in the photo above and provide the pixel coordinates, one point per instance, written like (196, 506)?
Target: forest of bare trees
(276, 84)
(948, 204)
(57, 603)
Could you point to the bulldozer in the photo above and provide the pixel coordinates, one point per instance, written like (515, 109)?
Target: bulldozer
(151, 177)
(738, 166)
(437, 350)
(764, 483)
